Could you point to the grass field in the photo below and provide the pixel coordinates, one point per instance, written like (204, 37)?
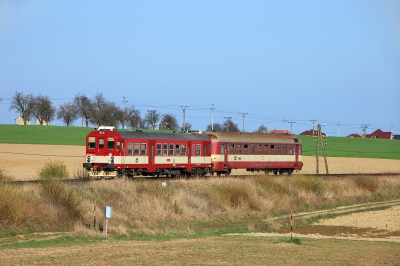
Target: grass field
(336, 146)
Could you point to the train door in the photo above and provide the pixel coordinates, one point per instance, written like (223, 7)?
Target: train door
(224, 151)
(151, 157)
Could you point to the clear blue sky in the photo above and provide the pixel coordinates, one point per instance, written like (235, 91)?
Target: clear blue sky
(334, 61)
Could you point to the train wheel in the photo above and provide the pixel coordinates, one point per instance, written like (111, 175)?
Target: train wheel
(275, 172)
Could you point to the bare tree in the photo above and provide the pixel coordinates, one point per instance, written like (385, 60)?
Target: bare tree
(152, 118)
(23, 105)
(133, 117)
(68, 113)
(110, 114)
(43, 110)
(262, 129)
(169, 122)
(97, 110)
(217, 127)
(229, 126)
(188, 126)
(84, 105)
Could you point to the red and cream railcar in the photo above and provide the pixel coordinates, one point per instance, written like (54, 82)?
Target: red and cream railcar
(255, 152)
(112, 153)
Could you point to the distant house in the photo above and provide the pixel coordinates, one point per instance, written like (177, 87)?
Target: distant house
(45, 123)
(354, 136)
(379, 134)
(311, 133)
(20, 121)
(279, 132)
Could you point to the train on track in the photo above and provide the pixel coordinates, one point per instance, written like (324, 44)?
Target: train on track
(111, 153)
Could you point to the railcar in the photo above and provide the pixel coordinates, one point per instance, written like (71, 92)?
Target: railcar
(111, 153)
(276, 154)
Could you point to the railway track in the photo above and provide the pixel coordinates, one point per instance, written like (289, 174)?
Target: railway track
(72, 180)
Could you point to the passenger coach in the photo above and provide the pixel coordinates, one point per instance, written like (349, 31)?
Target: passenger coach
(255, 152)
(113, 153)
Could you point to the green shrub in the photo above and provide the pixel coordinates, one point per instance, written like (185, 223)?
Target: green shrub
(53, 170)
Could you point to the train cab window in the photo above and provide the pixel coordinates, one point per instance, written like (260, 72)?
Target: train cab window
(143, 150)
(130, 148)
(165, 149)
(159, 149)
(110, 143)
(231, 148)
(265, 148)
(272, 149)
(137, 149)
(285, 149)
(171, 149)
(177, 150)
(91, 143)
(245, 148)
(198, 149)
(291, 150)
(239, 149)
(259, 148)
(101, 143)
(279, 149)
(183, 150)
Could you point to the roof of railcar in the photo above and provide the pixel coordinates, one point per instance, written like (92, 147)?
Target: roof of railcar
(162, 136)
(250, 137)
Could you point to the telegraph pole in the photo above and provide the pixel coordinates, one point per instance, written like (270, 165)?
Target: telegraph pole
(338, 131)
(364, 129)
(184, 122)
(124, 101)
(243, 114)
(212, 117)
(228, 118)
(320, 140)
(291, 124)
(313, 120)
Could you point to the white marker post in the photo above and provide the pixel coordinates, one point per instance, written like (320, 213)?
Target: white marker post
(109, 211)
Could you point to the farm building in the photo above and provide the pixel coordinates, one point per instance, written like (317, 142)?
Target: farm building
(311, 133)
(377, 134)
(20, 121)
(279, 131)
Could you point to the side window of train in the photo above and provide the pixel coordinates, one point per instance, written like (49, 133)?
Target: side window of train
(222, 148)
(183, 149)
(253, 148)
(291, 149)
(91, 143)
(101, 143)
(171, 149)
(259, 148)
(159, 149)
(285, 149)
(245, 148)
(265, 148)
(239, 149)
(136, 149)
(165, 149)
(272, 149)
(130, 148)
(110, 144)
(177, 149)
(231, 148)
(300, 150)
(119, 147)
(143, 150)
(198, 149)
(279, 148)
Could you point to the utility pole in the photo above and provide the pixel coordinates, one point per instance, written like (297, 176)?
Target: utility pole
(364, 129)
(124, 101)
(243, 114)
(313, 120)
(320, 140)
(284, 124)
(228, 119)
(212, 117)
(291, 124)
(338, 131)
(184, 122)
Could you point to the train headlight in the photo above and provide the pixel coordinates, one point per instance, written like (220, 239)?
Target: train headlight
(88, 159)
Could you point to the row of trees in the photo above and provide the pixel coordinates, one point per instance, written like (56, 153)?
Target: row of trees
(98, 111)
